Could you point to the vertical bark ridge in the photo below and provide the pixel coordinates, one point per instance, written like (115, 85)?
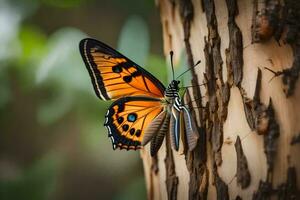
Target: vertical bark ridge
(270, 138)
(290, 75)
(235, 50)
(186, 10)
(196, 162)
(221, 186)
(217, 93)
(171, 178)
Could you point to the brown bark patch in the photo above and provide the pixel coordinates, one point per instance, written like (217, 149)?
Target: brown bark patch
(290, 23)
(217, 140)
(154, 164)
(263, 192)
(290, 76)
(270, 139)
(248, 108)
(242, 175)
(186, 10)
(255, 111)
(224, 94)
(221, 186)
(238, 197)
(235, 50)
(265, 21)
(289, 189)
(215, 126)
(295, 139)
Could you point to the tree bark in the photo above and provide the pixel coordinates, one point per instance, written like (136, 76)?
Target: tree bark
(249, 126)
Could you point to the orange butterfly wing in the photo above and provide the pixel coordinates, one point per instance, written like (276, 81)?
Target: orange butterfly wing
(127, 119)
(114, 76)
(137, 93)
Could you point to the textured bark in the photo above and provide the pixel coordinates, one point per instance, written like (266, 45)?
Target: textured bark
(247, 114)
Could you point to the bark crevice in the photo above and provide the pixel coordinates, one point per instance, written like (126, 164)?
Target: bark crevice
(171, 177)
(243, 177)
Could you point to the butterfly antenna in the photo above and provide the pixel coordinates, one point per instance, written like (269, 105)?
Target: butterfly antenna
(171, 57)
(199, 61)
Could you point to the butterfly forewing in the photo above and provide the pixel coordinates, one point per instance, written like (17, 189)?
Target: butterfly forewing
(115, 76)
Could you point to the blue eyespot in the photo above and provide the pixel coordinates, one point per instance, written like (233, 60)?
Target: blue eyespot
(132, 117)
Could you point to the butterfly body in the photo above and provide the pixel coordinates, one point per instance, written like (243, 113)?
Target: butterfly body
(143, 109)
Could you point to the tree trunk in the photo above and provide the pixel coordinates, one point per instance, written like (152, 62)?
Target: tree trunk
(249, 126)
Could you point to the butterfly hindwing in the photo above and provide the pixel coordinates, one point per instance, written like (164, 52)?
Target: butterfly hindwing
(154, 127)
(158, 138)
(127, 119)
(115, 76)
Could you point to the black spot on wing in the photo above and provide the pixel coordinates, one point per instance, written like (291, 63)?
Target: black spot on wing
(127, 79)
(117, 69)
(125, 127)
(132, 130)
(120, 120)
(136, 73)
(138, 133)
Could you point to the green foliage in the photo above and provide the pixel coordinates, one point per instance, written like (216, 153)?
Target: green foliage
(35, 182)
(157, 66)
(32, 42)
(5, 91)
(61, 70)
(32, 46)
(134, 190)
(64, 3)
(134, 40)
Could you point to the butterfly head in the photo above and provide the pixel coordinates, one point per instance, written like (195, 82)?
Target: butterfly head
(174, 85)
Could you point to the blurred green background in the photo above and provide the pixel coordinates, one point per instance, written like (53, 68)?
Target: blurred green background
(52, 141)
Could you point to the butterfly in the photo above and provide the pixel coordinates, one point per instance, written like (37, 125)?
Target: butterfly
(143, 109)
